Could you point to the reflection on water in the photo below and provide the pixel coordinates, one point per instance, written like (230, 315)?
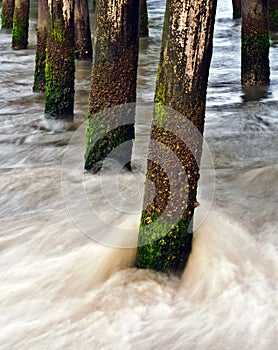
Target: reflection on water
(255, 93)
(61, 290)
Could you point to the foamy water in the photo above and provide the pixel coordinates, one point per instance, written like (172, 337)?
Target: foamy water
(60, 289)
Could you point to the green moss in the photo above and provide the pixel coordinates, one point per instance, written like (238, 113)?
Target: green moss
(100, 142)
(20, 34)
(259, 41)
(160, 93)
(236, 13)
(57, 35)
(273, 19)
(7, 20)
(59, 80)
(144, 20)
(161, 115)
(94, 5)
(39, 81)
(162, 246)
(7, 14)
(144, 23)
(255, 59)
(39, 78)
(92, 155)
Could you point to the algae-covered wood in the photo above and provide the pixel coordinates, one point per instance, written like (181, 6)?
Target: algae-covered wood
(255, 43)
(7, 13)
(20, 24)
(178, 123)
(83, 39)
(144, 19)
(236, 9)
(114, 73)
(39, 77)
(60, 59)
(273, 14)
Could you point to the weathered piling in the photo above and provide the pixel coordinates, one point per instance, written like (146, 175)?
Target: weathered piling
(39, 76)
(144, 19)
(20, 24)
(273, 14)
(255, 43)
(236, 9)
(60, 59)
(7, 13)
(83, 39)
(114, 74)
(94, 5)
(178, 123)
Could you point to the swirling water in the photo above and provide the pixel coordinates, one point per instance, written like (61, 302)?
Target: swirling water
(61, 290)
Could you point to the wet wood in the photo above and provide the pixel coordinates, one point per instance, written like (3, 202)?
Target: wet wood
(7, 13)
(165, 234)
(273, 15)
(60, 59)
(83, 39)
(255, 43)
(144, 19)
(39, 79)
(20, 24)
(114, 71)
(236, 9)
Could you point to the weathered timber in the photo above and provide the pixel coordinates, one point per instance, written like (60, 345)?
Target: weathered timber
(166, 224)
(39, 76)
(114, 76)
(236, 9)
(144, 19)
(94, 5)
(273, 14)
(7, 13)
(83, 39)
(60, 59)
(20, 24)
(254, 43)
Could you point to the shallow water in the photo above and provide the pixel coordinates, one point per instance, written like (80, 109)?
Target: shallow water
(62, 290)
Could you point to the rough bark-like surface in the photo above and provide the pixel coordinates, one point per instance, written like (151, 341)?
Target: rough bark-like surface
(114, 72)
(83, 39)
(236, 9)
(60, 59)
(181, 85)
(39, 78)
(20, 24)
(254, 43)
(273, 14)
(7, 13)
(144, 19)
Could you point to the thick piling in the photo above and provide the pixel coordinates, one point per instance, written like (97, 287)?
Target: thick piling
(178, 123)
(273, 15)
(7, 13)
(20, 24)
(83, 39)
(39, 76)
(60, 59)
(144, 19)
(255, 43)
(114, 75)
(236, 9)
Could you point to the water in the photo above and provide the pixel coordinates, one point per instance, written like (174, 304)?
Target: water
(61, 290)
